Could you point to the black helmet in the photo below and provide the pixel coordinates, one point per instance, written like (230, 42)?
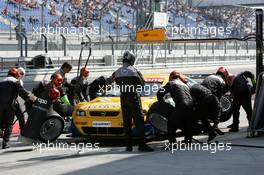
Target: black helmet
(129, 57)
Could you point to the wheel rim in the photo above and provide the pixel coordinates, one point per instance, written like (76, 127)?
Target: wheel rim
(51, 129)
(225, 103)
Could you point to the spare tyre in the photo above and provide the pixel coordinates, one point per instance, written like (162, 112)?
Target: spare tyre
(51, 129)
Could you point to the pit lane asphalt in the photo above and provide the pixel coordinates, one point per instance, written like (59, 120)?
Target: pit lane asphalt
(112, 160)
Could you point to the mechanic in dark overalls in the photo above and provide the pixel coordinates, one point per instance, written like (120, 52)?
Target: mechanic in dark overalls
(181, 115)
(100, 86)
(242, 91)
(65, 68)
(129, 80)
(207, 106)
(79, 93)
(10, 88)
(56, 82)
(217, 84)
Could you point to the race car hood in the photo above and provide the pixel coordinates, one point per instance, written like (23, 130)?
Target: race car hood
(111, 104)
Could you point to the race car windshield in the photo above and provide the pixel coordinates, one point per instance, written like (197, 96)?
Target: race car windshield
(149, 90)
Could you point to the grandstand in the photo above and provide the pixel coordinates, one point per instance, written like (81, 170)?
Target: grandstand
(206, 3)
(118, 15)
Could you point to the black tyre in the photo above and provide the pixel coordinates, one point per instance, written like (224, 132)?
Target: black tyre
(158, 114)
(51, 129)
(227, 108)
(163, 109)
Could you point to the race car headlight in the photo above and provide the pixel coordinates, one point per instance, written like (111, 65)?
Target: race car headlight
(80, 112)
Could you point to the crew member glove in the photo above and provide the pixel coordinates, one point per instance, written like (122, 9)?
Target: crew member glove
(32, 97)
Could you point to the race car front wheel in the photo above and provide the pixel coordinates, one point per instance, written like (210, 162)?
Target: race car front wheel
(51, 129)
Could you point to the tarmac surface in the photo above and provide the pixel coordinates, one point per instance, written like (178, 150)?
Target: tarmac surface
(226, 157)
(233, 153)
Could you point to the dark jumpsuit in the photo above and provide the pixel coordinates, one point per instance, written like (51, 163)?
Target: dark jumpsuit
(9, 91)
(129, 79)
(241, 91)
(181, 115)
(207, 106)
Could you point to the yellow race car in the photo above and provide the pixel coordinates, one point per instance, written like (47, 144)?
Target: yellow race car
(102, 117)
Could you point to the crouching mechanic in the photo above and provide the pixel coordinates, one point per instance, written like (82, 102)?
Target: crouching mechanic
(10, 88)
(217, 84)
(129, 79)
(79, 90)
(242, 90)
(207, 106)
(56, 82)
(181, 115)
(100, 86)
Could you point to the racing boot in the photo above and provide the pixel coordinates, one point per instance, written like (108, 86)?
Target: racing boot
(230, 126)
(234, 129)
(5, 145)
(218, 131)
(129, 148)
(212, 135)
(145, 148)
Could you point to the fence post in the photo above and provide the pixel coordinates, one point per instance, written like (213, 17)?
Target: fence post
(225, 46)
(45, 42)
(236, 47)
(213, 51)
(26, 44)
(10, 30)
(199, 48)
(247, 46)
(112, 45)
(2, 61)
(64, 44)
(20, 43)
(184, 45)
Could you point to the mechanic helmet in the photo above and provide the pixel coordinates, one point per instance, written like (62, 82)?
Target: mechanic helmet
(129, 57)
(57, 80)
(223, 72)
(21, 71)
(13, 72)
(54, 93)
(174, 75)
(84, 72)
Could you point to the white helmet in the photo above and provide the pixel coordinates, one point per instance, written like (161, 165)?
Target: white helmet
(22, 71)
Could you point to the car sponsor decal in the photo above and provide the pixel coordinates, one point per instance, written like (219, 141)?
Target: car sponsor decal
(42, 101)
(101, 124)
(154, 80)
(106, 106)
